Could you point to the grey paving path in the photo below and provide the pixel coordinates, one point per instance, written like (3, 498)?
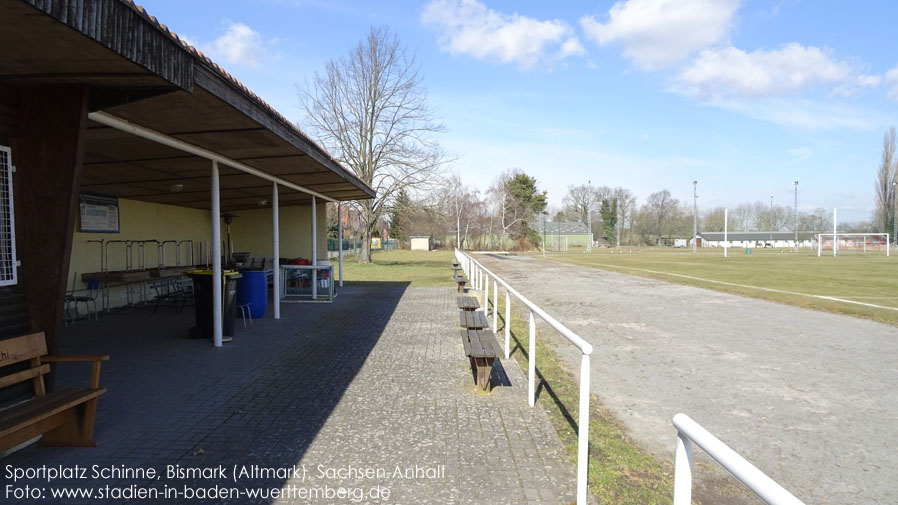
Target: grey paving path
(377, 381)
(809, 397)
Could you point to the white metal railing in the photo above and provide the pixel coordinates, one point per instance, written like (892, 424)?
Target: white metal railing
(690, 432)
(479, 276)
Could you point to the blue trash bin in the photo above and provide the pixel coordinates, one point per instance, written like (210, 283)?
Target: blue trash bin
(252, 288)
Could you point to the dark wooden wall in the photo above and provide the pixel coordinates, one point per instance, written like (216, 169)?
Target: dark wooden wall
(52, 124)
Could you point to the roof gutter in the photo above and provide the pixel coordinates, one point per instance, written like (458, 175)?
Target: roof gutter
(160, 138)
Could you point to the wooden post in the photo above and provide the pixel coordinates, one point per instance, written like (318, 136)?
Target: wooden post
(52, 123)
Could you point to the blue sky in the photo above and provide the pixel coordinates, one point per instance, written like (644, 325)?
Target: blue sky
(743, 96)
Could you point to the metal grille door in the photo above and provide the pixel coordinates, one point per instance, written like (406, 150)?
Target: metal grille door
(7, 221)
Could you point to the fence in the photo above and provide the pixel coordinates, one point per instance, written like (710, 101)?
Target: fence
(480, 279)
(688, 432)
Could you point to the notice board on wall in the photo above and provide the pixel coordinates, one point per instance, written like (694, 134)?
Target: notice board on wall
(99, 213)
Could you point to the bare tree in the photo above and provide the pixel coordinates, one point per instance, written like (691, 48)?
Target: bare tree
(659, 214)
(585, 197)
(886, 176)
(712, 219)
(461, 204)
(370, 110)
(513, 213)
(578, 200)
(818, 221)
(742, 217)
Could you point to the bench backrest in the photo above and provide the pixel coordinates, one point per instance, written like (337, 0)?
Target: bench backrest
(28, 348)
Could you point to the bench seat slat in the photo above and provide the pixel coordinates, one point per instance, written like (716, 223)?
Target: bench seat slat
(472, 319)
(42, 407)
(476, 347)
(467, 302)
(489, 343)
(480, 344)
(466, 341)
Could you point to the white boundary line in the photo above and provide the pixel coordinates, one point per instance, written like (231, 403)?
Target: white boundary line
(771, 290)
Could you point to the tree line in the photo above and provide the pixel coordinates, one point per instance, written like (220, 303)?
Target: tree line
(509, 215)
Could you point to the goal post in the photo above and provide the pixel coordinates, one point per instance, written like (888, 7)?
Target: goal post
(859, 242)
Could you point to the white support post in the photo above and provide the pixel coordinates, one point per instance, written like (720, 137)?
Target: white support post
(486, 296)
(495, 306)
(216, 258)
(276, 245)
(835, 234)
(887, 245)
(683, 471)
(819, 244)
(507, 322)
(314, 249)
(583, 431)
(531, 363)
(725, 223)
(340, 238)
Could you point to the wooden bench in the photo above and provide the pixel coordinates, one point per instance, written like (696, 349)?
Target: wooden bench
(64, 417)
(169, 288)
(482, 349)
(467, 302)
(461, 280)
(472, 319)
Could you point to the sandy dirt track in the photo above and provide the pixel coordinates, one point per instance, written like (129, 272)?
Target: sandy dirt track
(810, 398)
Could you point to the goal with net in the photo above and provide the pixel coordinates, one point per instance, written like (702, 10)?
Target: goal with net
(854, 242)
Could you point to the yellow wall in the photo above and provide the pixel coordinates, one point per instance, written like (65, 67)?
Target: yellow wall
(139, 221)
(250, 231)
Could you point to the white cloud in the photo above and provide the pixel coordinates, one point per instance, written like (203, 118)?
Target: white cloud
(661, 33)
(858, 84)
(240, 45)
(891, 79)
(806, 114)
(869, 81)
(731, 72)
(469, 27)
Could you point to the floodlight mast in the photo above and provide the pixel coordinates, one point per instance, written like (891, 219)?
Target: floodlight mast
(694, 216)
(618, 222)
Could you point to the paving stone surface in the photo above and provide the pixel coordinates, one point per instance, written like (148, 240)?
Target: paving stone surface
(376, 382)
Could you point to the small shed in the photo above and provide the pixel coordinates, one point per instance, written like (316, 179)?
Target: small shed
(420, 242)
